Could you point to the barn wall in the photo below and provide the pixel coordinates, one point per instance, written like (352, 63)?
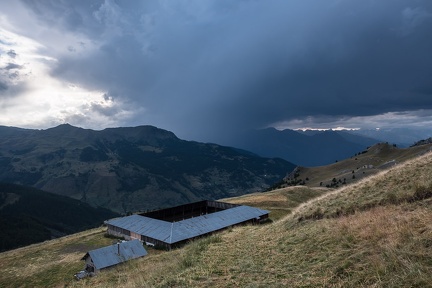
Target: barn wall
(119, 232)
(154, 242)
(135, 235)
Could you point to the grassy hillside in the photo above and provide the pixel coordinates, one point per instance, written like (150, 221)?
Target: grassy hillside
(374, 233)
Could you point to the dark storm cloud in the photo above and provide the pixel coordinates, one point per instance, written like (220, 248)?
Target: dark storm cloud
(3, 86)
(201, 68)
(103, 109)
(12, 66)
(11, 53)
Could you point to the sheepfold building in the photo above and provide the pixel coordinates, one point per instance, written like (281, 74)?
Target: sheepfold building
(175, 226)
(105, 257)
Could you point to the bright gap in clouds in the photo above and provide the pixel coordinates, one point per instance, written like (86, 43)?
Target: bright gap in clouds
(32, 98)
(326, 129)
(415, 119)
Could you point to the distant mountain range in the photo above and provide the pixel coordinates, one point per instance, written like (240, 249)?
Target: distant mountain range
(402, 137)
(131, 169)
(317, 148)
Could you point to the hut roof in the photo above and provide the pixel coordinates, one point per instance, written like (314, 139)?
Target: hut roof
(115, 254)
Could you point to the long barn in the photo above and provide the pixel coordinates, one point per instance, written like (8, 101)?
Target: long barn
(174, 226)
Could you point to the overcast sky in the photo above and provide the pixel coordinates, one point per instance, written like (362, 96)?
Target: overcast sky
(203, 69)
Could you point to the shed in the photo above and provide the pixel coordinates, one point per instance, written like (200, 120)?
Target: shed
(174, 226)
(105, 257)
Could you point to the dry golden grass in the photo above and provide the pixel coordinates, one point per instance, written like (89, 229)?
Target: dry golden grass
(374, 233)
(51, 263)
(279, 202)
(387, 187)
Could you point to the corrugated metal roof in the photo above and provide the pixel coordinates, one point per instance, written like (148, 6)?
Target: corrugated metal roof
(154, 228)
(109, 256)
(189, 228)
(193, 227)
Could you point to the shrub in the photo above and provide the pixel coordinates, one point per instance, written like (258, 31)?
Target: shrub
(421, 193)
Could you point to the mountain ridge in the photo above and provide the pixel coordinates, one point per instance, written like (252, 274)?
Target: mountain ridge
(131, 168)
